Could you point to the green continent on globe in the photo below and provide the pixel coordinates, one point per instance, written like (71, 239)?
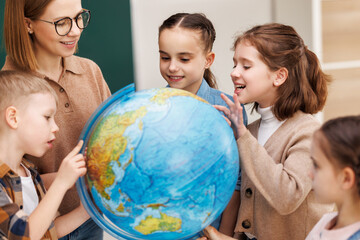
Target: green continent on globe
(165, 224)
(106, 144)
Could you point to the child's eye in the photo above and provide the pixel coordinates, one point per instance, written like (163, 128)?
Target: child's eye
(165, 58)
(47, 117)
(315, 165)
(185, 59)
(246, 67)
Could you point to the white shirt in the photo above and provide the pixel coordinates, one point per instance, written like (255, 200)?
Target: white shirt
(268, 124)
(323, 229)
(30, 197)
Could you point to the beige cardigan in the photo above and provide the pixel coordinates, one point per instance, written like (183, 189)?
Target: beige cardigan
(276, 197)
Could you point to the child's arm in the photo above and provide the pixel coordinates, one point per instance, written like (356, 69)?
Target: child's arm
(230, 214)
(284, 183)
(71, 168)
(70, 221)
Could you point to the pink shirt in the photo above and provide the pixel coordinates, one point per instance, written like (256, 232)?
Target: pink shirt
(322, 229)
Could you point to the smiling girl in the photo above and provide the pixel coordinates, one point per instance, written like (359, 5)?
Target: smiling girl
(185, 46)
(275, 70)
(336, 178)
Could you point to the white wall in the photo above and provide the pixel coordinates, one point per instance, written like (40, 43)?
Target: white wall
(297, 14)
(229, 18)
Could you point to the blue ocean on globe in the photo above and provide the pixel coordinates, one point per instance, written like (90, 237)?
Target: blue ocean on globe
(162, 164)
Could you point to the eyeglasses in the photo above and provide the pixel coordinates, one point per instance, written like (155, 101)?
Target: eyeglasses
(63, 26)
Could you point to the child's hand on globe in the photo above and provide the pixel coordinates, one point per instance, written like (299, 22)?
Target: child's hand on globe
(72, 167)
(212, 234)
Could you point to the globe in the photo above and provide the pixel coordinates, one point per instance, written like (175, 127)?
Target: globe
(161, 163)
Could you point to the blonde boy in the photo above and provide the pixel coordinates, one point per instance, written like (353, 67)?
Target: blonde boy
(27, 127)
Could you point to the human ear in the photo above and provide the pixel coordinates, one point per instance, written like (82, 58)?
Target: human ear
(280, 76)
(11, 117)
(210, 57)
(28, 25)
(348, 178)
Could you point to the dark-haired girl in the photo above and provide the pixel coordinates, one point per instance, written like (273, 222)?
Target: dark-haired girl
(336, 178)
(185, 46)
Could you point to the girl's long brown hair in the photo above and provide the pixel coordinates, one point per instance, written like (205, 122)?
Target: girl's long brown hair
(280, 46)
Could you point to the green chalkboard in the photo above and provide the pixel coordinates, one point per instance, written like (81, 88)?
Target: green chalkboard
(107, 40)
(2, 46)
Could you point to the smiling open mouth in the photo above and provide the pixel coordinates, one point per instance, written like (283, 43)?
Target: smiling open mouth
(175, 78)
(68, 43)
(240, 86)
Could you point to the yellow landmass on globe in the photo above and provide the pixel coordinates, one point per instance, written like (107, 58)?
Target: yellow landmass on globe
(121, 208)
(106, 145)
(164, 94)
(155, 205)
(165, 224)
